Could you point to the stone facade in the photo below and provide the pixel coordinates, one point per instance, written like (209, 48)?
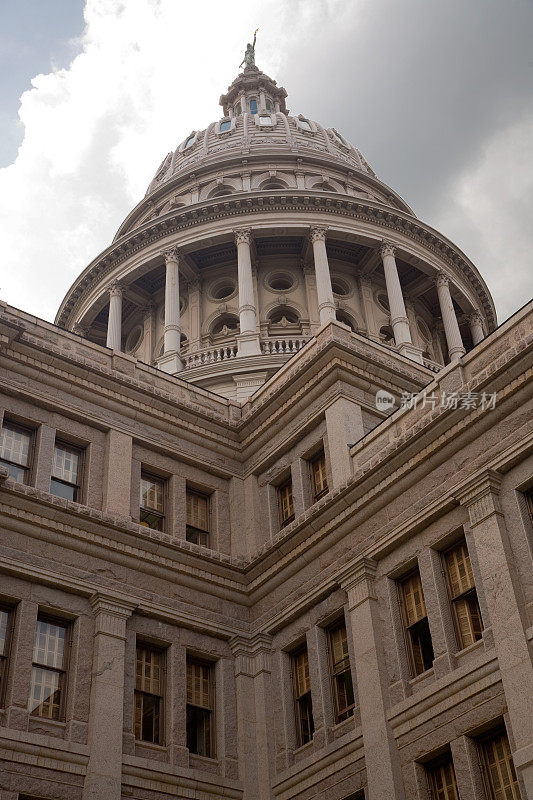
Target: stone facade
(324, 510)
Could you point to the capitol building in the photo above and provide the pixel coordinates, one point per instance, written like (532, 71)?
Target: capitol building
(266, 493)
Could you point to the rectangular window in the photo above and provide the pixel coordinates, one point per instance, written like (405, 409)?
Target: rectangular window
(286, 503)
(5, 625)
(200, 728)
(15, 450)
(152, 511)
(148, 694)
(49, 669)
(197, 518)
(319, 476)
(416, 624)
(65, 480)
(463, 595)
(443, 783)
(305, 726)
(341, 673)
(529, 501)
(501, 773)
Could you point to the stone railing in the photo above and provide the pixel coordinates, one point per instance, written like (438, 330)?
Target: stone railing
(281, 345)
(210, 355)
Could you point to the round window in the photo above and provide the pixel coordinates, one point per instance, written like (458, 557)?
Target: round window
(424, 330)
(281, 282)
(134, 338)
(223, 290)
(339, 287)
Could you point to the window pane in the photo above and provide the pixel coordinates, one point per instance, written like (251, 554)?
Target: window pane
(320, 480)
(443, 782)
(49, 646)
(147, 717)
(459, 569)
(421, 646)
(301, 673)
(197, 511)
(500, 768)
(66, 460)
(305, 719)
(414, 604)
(286, 501)
(253, 106)
(199, 731)
(60, 489)
(148, 670)
(45, 693)
(152, 494)
(199, 684)
(225, 126)
(14, 445)
(4, 619)
(468, 620)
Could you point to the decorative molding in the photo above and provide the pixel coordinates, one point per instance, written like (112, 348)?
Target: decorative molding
(252, 654)
(111, 614)
(115, 289)
(171, 254)
(387, 249)
(357, 579)
(243, 236)
(317, 233)
(481, 496)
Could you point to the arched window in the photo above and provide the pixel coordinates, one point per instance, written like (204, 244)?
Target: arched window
(345, 318)
(253, 105)
(225, 325)
(273, 183)
(222, 191)
(386, 334)
(305, 124)
(189, 141)
(283, 317)
(225, 125)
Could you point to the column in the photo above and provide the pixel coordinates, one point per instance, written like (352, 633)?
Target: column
(476, 327)
(194, 315)
(248, 339)
(171, 361)
(326, 304)
(449, 320)
(506, 609)
(149, 332)
(311, 297)
(255, 744)
(114, 320)
(104, 770)
(384, 779)
(398, 314)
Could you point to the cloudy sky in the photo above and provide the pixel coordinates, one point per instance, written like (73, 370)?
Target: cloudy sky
(437, 94)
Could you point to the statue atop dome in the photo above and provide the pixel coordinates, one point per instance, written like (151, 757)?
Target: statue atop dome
(249, 54)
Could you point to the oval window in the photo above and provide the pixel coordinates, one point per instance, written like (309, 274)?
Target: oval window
(223, 290)
(189, 142)
(339, 287)
(134, 338)
(281, 282)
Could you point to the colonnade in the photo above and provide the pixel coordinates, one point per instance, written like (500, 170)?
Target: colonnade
(248, 338)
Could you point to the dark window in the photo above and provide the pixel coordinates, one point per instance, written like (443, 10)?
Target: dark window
(286, 503)
(197, 518)
(341, 674)
(305, 726)
(319, 476)
(253, 106)
(463, 595)
(190, 141)
(49, 669)
(200, 708)
(529, 501)
(225, 125)
(65, 480)
(5, 635)
(148, 693)
(501, 775)
(15, 450)
(152, 510)
(442, 781)
(416, 624)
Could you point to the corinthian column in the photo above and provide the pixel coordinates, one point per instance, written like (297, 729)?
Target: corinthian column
(399, 319)
(326, 304)
(451, 326)
(170, 361)
(476, 327)
(248, 339)
(114, 320)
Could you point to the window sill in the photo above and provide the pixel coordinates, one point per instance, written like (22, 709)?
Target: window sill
(421, 678)
(150, 745)
(303, 748)
(470, 648)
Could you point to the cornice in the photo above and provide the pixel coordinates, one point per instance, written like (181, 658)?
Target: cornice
(246, 205)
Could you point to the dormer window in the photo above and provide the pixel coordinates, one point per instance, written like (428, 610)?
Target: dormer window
(189, 141)
(304, 123)
(225, 125)
(253, 105)
(265, 120)
(268, 105)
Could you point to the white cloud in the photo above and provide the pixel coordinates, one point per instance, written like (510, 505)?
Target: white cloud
(488, 211)
(148, 72)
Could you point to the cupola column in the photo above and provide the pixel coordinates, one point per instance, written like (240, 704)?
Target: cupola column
(248, 339)
(170, 361)
(449, 320)
(114, 320)
(326, 304)
(476, 327)
(398, 314)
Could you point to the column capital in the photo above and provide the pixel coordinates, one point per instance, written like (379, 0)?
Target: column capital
(317, 233)
(475, 318)
(481, 496)
(386, 248)
(357, 578)
(243, 235)
(115, 289)
(111, 614)
(252, 653)
(171, 254)
(441, 279)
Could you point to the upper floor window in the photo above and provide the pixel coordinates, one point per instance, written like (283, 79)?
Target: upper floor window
(442, 780)
(5, 619)
(341, 673)
(225, 125)
(319, 476)
(265, 120)
(305, 124)
(268, 105)
(49, 669)
(500, 769)
(200, 694)
(286, 502)
(416, 624)
(15, 449)
(66, 471)
(253, 105)
(463, 595)
(152, 510)
(189, 141)
(305, 726)
(148, 694)
(197, 518)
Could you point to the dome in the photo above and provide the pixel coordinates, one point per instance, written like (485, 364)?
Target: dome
(256, 231)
